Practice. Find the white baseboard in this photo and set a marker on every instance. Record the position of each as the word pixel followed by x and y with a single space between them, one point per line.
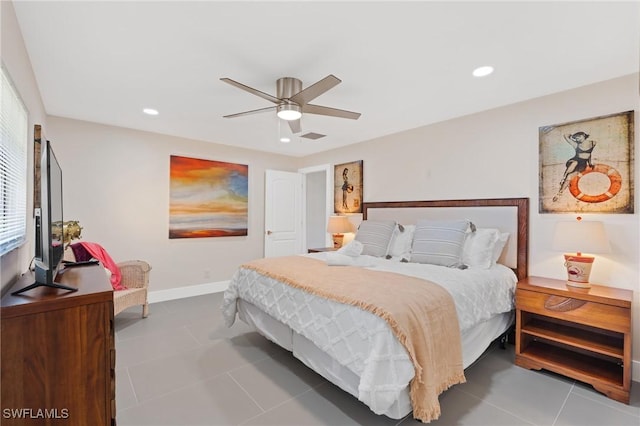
pixel 190 291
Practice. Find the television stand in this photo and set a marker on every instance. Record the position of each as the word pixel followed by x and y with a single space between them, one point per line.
pixel 37 284
pixel 58 353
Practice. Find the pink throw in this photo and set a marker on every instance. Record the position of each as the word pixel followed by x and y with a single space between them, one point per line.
pixel 98 252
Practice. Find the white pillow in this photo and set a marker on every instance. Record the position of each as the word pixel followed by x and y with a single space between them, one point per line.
pixel 353 249
pixel 478 249
pixel 400 246
pixel 375 236
pixel 499 246
pixel 439 242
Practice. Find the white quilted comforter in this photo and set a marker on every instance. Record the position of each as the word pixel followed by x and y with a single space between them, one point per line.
pixel 360 340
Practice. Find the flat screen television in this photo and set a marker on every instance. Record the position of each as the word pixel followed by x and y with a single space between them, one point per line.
pixel 49 222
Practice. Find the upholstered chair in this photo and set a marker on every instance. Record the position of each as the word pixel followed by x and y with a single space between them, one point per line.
pixel 135 277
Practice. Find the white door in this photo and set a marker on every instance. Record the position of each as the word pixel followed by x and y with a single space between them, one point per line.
pixel 283 213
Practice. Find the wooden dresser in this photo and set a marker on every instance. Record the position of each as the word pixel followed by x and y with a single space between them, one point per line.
pixel 58 352
pixel 580 333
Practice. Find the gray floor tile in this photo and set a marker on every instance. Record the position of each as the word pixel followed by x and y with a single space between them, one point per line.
pixel 498 381
pixel 130 325
pixel 459 408
pixel 633 408
pixel 153 346
pixel 320 406
pixel 125 396
pixel 208 331
pixel 192 309
pixel 272 381
pixel 352 408
pixel 217 401
pixel 207 303
pixel 587 412
pixel 162 375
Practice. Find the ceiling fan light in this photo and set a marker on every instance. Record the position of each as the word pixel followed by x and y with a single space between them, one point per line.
pixel 289 112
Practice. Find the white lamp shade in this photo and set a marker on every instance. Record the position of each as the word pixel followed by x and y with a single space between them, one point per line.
pixel 580 236
pixel 339 225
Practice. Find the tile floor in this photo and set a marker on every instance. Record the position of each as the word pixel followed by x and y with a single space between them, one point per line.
pixel 182 366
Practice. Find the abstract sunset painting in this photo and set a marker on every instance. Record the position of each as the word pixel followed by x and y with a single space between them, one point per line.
pixel 207 198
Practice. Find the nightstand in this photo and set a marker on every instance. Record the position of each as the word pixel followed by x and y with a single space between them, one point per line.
pixel 321 249
pixel 580 333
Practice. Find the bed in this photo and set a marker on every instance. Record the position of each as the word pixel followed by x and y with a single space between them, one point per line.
pixel 361 350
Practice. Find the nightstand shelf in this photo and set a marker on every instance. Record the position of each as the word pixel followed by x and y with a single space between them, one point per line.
pixel 583 339
pixel 575 365
pixel 584 334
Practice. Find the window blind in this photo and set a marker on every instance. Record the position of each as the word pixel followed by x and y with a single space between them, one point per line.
pixel 13 166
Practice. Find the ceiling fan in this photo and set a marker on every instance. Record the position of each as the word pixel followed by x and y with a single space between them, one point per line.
pixel 291 101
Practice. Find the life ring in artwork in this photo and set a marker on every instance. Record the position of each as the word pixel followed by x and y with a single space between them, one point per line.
pixel 615 183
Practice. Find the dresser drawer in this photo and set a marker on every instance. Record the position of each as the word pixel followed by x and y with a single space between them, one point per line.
pixel 576 310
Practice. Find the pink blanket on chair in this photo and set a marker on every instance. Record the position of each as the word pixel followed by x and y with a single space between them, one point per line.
pixel 98 252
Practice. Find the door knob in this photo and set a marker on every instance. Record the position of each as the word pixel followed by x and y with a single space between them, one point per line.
pixel 269 232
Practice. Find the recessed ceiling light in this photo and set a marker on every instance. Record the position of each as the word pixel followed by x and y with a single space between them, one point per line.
pixel 285 139
pixel 150 111
pixel 482 71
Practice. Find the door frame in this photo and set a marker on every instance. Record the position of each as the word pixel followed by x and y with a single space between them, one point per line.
pixel 328 169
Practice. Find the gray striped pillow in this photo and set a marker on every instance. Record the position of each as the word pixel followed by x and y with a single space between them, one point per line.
pixel 439 242
pixel 375 236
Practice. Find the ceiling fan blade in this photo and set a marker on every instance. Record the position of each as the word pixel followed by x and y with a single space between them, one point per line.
pixel 252 90
pixel 255 111
pixel 332 112
pixel 294 125
pixel 315 90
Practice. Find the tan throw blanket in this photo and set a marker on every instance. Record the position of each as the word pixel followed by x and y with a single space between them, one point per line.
pixel 421 315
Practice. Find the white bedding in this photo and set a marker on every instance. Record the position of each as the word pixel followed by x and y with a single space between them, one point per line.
pixel 360 341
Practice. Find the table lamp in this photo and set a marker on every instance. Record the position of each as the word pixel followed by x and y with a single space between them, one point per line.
pixel 337 226
pixel 576 237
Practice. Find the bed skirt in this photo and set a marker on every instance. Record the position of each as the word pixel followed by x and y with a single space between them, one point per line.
pixel 474 342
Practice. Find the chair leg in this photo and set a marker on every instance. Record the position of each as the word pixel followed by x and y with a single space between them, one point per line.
pixel 145 310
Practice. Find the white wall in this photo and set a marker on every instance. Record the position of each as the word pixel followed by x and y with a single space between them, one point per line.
pixel 116 183
pixel 17 63
pixel 494 154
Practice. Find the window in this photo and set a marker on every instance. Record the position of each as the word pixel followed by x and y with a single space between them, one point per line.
pixel 13 166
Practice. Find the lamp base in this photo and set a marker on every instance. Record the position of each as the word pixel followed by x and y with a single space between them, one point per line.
pixel 578 270
pixel 337 240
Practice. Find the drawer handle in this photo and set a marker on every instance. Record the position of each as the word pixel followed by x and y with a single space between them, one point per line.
pixel 562 304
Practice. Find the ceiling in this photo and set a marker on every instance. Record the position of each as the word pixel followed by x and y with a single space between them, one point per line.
pixel 402 64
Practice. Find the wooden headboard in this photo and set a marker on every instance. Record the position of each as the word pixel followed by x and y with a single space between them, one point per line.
pixel 519 205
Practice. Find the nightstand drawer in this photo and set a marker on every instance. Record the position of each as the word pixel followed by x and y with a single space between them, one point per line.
pixel 613 318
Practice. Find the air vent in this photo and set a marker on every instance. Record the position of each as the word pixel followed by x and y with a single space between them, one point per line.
pixel 313 136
